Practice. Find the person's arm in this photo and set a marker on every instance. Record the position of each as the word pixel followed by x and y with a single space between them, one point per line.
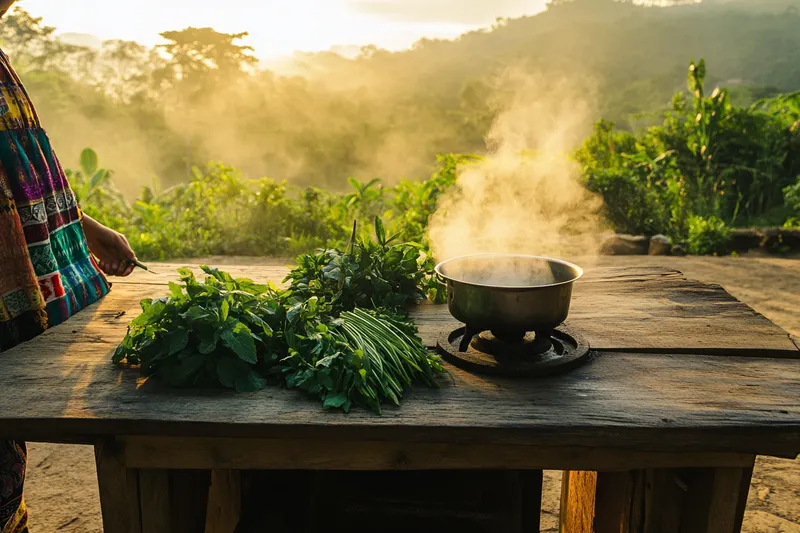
pixel 111 248
pixel 5 5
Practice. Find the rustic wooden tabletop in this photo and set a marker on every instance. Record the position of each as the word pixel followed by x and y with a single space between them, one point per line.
pixel 680 366
pixel 658 432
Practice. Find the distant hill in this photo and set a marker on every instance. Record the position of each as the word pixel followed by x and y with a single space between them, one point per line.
pixel 377 113
pixel 638 54
pixel 81 39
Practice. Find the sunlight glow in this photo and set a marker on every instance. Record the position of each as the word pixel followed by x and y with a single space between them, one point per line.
pixel 277 28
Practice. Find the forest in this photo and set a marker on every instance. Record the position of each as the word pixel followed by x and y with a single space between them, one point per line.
pixel 212 154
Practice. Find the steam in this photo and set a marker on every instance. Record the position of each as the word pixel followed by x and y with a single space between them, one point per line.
pixel 525 196
pixel 120 141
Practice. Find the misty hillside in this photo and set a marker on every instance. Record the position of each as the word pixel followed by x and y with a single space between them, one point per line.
pixel 384 114
pixel 637 55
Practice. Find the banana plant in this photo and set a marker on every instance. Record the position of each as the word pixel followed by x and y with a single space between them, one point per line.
pixel 90 182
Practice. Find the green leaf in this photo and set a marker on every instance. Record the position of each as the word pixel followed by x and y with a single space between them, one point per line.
pixel 216 273
pixel 119 354
pixel 326 361
pixel 239 339
pixel 325 380
pixel 380 232
pixel 208 342
pixel 229 369
pixel 98 177
pixel 294 312
pixel 176 290
pixel 260 322
pixel 181 372
pixel 151 314
pixel 196 314
pixel 186 275
pixel 251 382
pixel 88 162
pixel 224 309
pixel 176 340
pixel 335 400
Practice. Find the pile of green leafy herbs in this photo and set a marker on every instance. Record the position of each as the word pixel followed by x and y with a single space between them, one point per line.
pixel 339 331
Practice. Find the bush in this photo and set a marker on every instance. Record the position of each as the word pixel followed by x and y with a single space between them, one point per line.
pixel 707 236
pixel 219 212
pixel 707 159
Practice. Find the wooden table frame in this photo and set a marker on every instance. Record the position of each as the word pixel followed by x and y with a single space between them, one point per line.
pixel 193 485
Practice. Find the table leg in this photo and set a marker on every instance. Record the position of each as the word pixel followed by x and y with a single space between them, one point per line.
pixel 224 501
pixel 174 501
pixel 690 500
pixel 716 500
pixel 154 500
pixel 119 490
pixel 147 500
pixel 530 500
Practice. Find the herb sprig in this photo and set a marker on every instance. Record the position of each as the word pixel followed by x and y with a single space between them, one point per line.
pixel 340 331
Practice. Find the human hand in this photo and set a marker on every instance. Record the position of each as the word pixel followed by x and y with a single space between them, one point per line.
pixel 114 255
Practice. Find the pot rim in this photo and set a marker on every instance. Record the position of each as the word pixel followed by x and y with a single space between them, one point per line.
pixel 576 268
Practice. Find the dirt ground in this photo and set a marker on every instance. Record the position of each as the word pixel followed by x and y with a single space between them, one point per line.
pixel 62 488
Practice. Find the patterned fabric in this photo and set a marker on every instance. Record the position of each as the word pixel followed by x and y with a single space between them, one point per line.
pixel 13 516
pixel 46 271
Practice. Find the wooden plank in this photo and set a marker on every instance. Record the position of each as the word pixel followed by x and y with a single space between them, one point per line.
pixel 715 501
pixel 614 502
pixel 696 500
pixel 662 315
pixel 663 502
pixel 660 308
pixel 287 454
pixel 601 502
pixel 744 492
pixel 189 491
pixel 174 501
pixel 155 501
pixel 224 501
pixel 658 402
pixel 62 386
pixel 119 490
pixel 577 501
pixel 529 506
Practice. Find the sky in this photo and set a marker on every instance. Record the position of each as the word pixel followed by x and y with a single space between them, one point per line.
pixel 278 28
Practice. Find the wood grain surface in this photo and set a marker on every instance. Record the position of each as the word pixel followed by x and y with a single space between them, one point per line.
pixel 681 367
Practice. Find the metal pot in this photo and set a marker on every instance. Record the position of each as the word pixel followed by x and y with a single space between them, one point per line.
pixel 509 294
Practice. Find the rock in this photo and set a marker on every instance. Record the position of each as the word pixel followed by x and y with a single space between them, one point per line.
pixel 744 240
pixel 763 493
pixel 621 244
pixel 678 250
pixel 781 240
pixel 660 245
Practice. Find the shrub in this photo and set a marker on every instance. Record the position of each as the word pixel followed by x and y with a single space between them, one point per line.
pixel 707 236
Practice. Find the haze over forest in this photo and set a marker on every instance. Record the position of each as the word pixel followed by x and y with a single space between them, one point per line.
pixel 204 96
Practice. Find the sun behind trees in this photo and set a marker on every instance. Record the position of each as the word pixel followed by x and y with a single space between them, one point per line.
pixel 381 114
pixel 153 114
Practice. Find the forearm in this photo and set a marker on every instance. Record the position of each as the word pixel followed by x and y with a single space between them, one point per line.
pixel 90 226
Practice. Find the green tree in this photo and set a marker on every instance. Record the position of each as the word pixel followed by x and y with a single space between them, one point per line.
pixel 202 55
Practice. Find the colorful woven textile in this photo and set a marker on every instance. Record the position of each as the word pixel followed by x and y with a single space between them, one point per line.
pixel 46 271
pixel 13 516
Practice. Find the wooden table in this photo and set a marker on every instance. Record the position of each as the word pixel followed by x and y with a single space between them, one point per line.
pixel 657 434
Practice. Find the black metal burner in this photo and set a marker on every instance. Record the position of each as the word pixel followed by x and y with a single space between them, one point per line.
pixel 514 353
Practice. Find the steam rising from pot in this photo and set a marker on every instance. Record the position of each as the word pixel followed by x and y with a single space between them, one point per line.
pixel 525 197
